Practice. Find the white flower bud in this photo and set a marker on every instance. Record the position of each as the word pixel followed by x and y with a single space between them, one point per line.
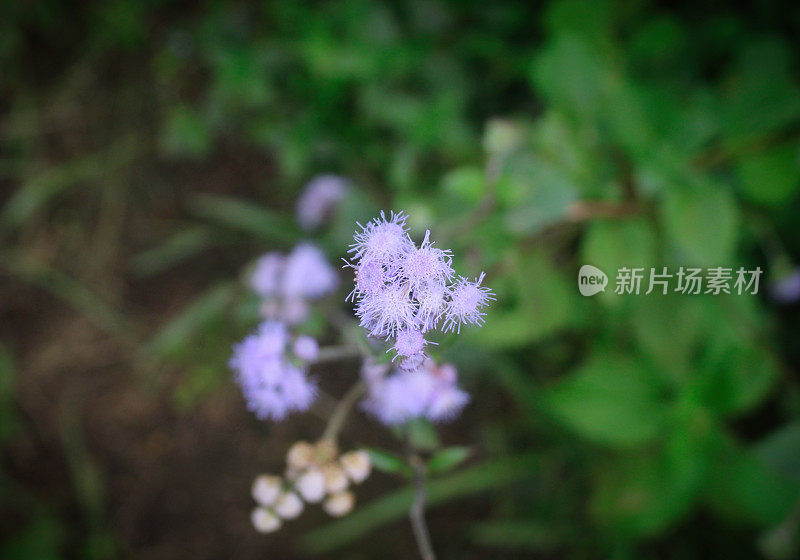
pixel 327 451
pixel 300 455
pixel 264 520
pixel 357 465
pixel 339 504
pixel 311 486
pixel 289 505
pixel 335 478
pixel 266 489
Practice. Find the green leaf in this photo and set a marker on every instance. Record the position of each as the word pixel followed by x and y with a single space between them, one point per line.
pixel 466 184
pixel 611 399
pixel 590 20
pixel 629 118
pixel 447 459
pixel 781 450
pixel 422 435
pixel 181 245
pixel 668 329
pixel 558 140
pixel 569 72
pixel 534 309
pixel 544 193
pixel 744 488
pixel 771 177
pixel 518 534
pixel 701 221
pixel 612 244
pixel 645 494
pixel 761 97
pixel 388 462
pixel 733 376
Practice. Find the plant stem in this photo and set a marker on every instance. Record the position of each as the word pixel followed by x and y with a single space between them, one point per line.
pixel 334 353
pixel 417 511
pixel 341 411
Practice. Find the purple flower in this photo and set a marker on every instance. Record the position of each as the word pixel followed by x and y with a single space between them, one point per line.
pixel 427 266
pixel 403 291
pixel 292 310
pixel 306 348
pixel 431 300
pixel 409 342
pixel 383 240
pixel 467 299
pixel 387 311
pixel 307 274
pixel 272 385
pixel 370 278
pixel 320 199
pixel 303 274
pixel 265 279
pixel 430 392
pixel 787 290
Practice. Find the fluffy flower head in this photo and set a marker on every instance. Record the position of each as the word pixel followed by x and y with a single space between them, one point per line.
pixel 382 239
pixel 403 291
pixel 467 299
pixel 272 385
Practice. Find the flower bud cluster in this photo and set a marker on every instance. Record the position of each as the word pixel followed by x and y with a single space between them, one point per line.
pixel 314 473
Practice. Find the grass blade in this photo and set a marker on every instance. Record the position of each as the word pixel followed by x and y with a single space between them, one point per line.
pixel 245 216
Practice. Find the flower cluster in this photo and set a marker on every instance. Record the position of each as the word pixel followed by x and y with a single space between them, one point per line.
pixel 320 199
pixel 403 291
pixel 286 283
pixel 271 368
pixel 314 473
pixel 430 392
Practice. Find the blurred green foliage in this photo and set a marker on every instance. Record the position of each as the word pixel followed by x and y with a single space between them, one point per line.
pixel 531 139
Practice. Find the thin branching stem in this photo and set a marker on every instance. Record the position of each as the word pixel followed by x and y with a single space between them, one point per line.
pixel 417 511
pixel 341 411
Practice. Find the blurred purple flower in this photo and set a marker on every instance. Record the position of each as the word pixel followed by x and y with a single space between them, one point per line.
pixel 787 290
pixel 265 279
pixel 303 274
pixel 272 385
pixel 307 273
pixel 319 200
pixel 306 348
pixel 430 392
